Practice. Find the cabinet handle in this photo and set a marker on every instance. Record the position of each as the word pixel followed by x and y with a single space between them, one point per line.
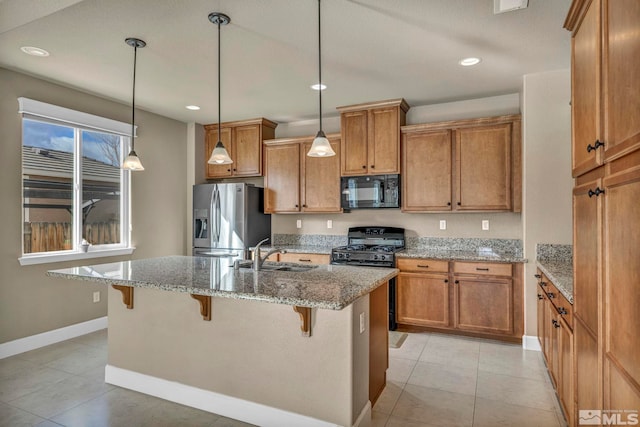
pixel 537 276
pixel 543 283
pixel 598 191
pixel 551 295
pixel 422 266
pixel 304 260
pixel 556 324
pixel 481 269
pixel 562 310
pixel 540 296
pixel 456 282
pixel 595 146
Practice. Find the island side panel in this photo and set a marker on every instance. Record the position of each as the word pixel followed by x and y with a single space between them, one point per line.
pixel 250 350
pixel 379 341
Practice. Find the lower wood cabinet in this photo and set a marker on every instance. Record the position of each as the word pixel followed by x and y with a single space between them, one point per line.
pixel 556 335
pixel 471 298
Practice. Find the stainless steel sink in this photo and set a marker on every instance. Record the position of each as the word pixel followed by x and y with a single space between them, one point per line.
pixel 279 266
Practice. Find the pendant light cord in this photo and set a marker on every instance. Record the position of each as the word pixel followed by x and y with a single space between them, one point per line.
pixel 219 85
pixel 133 107
pixel 319 67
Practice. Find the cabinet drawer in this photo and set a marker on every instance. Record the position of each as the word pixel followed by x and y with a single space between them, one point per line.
pixel 304 258
pixel 482 268
pixel 422 265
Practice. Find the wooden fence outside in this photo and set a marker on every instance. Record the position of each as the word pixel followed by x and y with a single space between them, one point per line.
pixel 56 236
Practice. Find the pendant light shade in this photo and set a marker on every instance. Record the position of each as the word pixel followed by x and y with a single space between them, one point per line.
pixel 219 155
pixel 132 162
pixel 321 146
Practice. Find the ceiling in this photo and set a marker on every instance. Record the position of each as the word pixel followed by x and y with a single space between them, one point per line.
pixel 372 50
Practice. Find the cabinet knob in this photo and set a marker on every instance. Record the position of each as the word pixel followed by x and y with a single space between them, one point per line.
pixel 448 203
pixel 562 310
pixel 595 146
pixel 459 203
pixel 598 191
pixel 543 283
pixel 446 280
pixel 456 282
pixel 537 276
pixel 297 206
pixel 540 296
pixel 234 169
pixel 551 295
pixel 228 170
pixel 364 166
pixel 373 166
pixel 556 324
pixel 304 206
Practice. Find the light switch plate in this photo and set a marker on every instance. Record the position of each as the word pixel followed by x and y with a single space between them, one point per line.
pixel 362 322
pixel 298 223
pixel 96 296
pixel 329 223
pixel 485 224
pixel 443 224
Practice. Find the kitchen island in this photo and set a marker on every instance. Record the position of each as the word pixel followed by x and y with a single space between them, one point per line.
pixel 295 346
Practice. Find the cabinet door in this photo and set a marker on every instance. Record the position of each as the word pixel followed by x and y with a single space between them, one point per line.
pixel 622 91
pixel 384 141
pixel 484 305
pixel 423 299
pixel 585 103
pixel 587 375
pixel 320 181
pixel 426 171
pixel 247 151
pixel 541 317
pixel 622 286
pixel 586 246
pixel 565 378
pixel 282 178
pixel 213 170
pixel 483 168
pixel 354 143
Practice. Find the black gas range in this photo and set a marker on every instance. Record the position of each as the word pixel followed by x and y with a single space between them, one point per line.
pixel 373 247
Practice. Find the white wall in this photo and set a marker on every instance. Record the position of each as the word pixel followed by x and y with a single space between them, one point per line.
pixel 547 171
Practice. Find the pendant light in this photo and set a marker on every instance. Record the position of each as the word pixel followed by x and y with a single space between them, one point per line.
pixel 132 162
pixel 321 146
pixel 219 155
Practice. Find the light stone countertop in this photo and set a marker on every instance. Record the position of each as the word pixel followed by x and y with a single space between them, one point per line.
pixel 325 286
pixel 560 272
pixel 300 249
pixel 462 255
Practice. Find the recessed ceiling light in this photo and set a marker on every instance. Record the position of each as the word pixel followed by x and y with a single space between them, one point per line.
pixel 192 107
pixel 467 62
pixel 34 51
pixel 318 87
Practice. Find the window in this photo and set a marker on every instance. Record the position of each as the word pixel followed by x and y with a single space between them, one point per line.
pixel 74 190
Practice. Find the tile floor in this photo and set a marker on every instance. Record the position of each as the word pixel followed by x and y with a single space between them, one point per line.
pixel 433 380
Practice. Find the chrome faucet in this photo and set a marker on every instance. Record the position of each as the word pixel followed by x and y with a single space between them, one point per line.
pixel 257 260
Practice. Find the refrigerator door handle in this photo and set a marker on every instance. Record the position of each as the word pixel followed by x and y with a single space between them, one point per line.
pixel 215 213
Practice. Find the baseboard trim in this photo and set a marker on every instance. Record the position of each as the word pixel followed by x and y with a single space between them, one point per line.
pixel 231 407
pixel 22 345
pixel 530 342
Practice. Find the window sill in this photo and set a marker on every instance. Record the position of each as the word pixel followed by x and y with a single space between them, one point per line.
pixel 61 257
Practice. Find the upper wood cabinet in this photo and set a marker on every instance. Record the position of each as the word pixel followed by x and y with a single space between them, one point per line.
pixel 464 165
pixel 243 141
pixel 295 182
pixel 370 137
pixel 605 93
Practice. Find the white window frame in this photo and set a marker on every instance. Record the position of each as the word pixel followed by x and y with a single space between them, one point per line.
pixel 43 112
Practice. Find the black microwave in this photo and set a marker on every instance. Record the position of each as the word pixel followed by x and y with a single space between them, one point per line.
pixel 370 192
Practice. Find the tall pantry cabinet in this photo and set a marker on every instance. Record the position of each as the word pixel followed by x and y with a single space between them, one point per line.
pixel 606 205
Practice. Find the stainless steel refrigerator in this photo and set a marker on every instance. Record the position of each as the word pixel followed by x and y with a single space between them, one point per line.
pixel 228 219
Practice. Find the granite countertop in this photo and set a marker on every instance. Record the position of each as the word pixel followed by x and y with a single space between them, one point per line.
pixel 325 286
pixel 462 255
pixel 560 272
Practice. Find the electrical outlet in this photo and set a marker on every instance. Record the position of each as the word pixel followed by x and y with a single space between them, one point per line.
pixel 443 224
pixel 298 223
pixel 362 322
pixel 485 224
pixel 96 296
pixel 329 223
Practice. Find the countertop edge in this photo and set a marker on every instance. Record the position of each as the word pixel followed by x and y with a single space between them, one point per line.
pixel 417 253
pixel 559 280
pixel 365 289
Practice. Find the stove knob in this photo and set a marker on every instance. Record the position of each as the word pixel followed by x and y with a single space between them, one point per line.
pixel 346 255
pixel 383 257
pixel 375 257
